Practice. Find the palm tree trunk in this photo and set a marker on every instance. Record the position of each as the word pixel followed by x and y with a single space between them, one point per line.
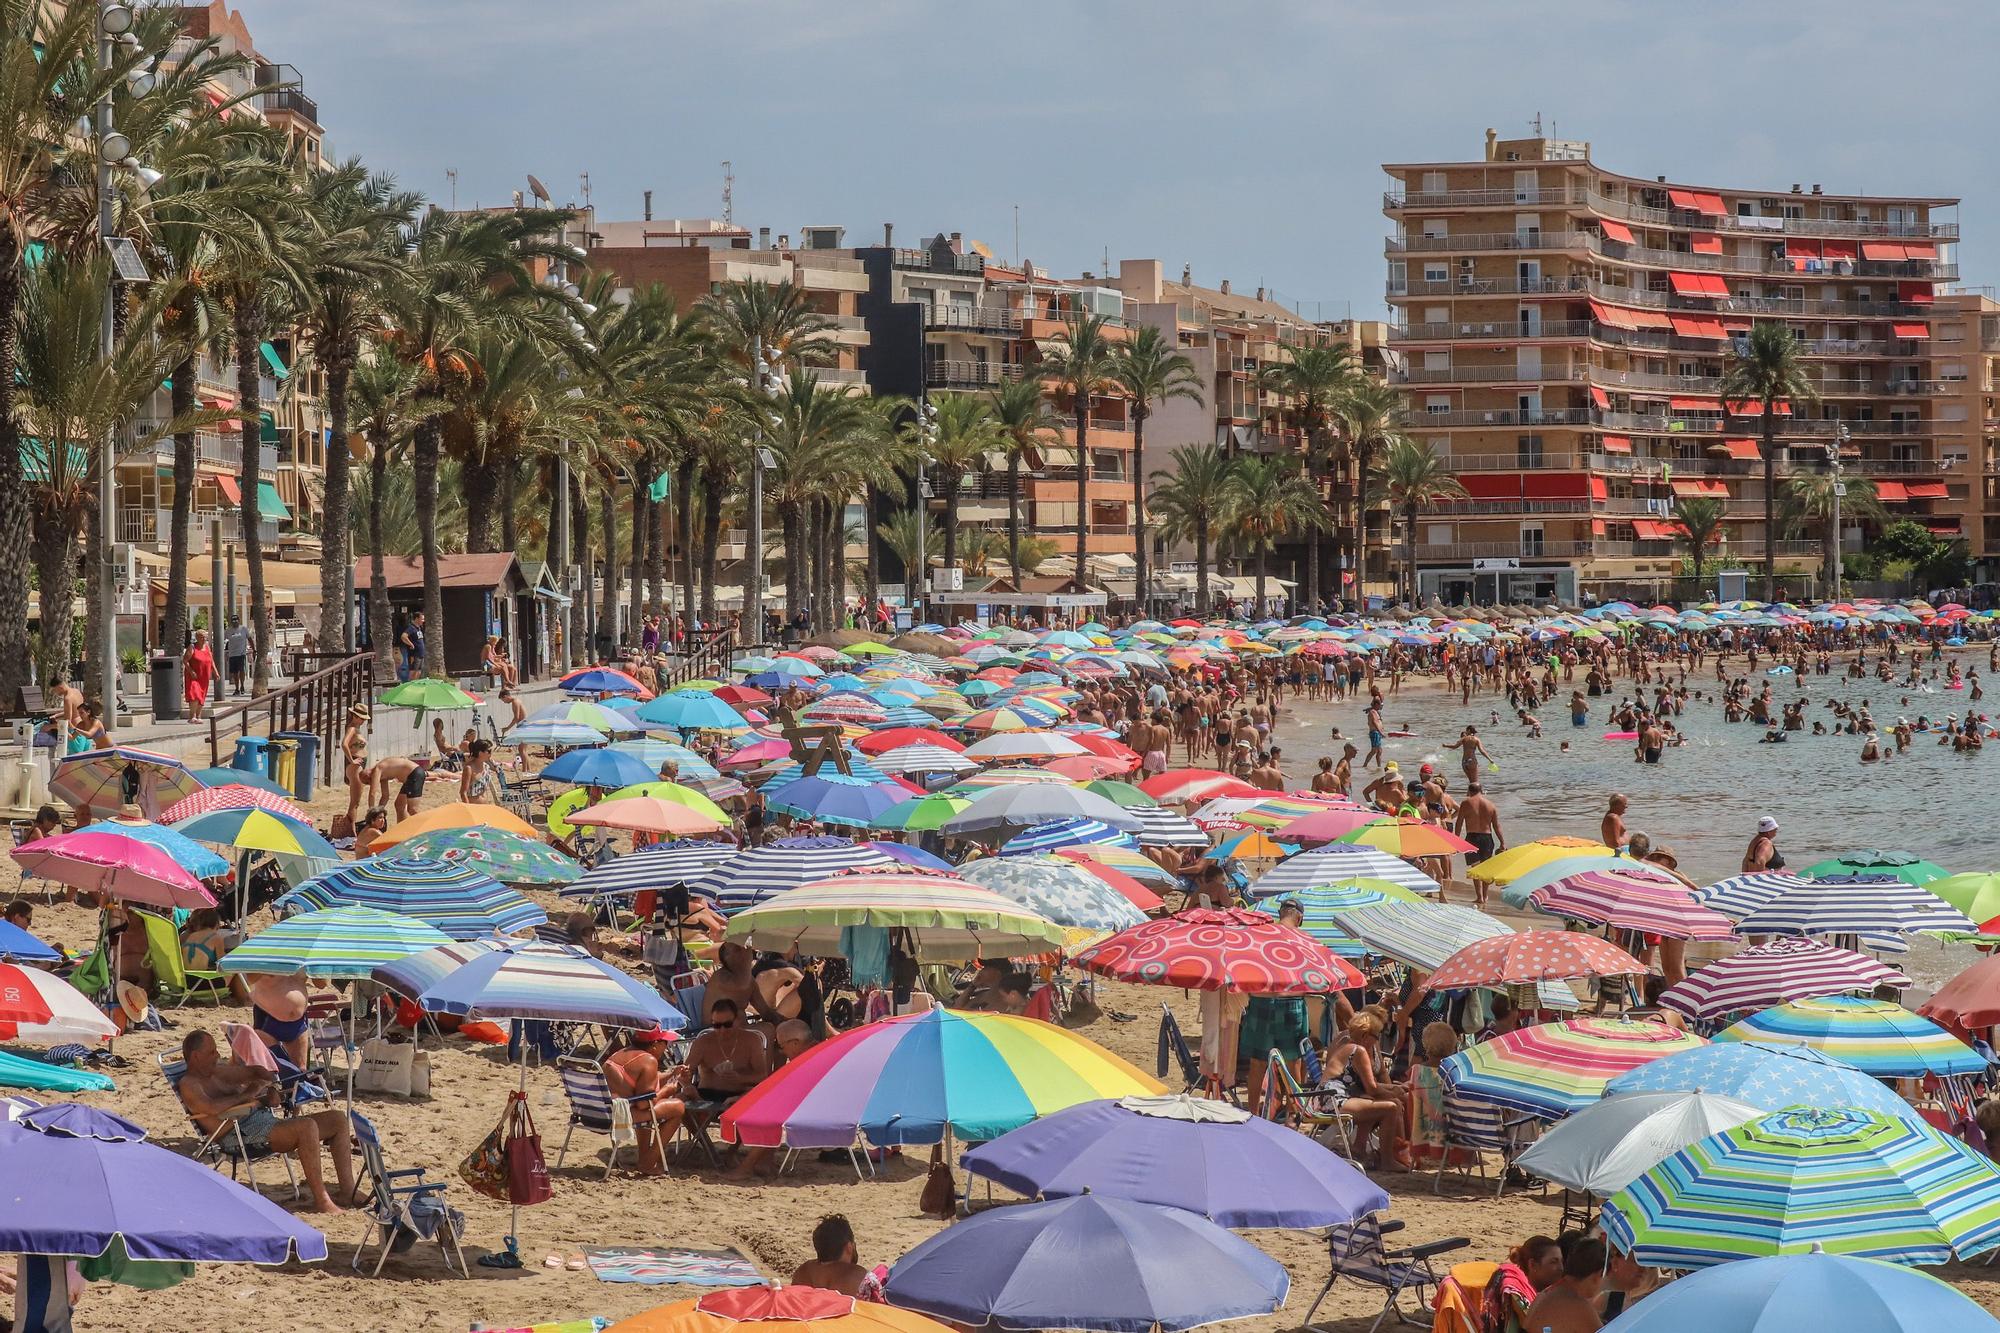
pixel 14 503
pixel 54 546
pixel 1082 486
pixel 424 472
pixel 1263 562
pixel 657 581
pixel 790 524
pixel 871 569
pixel 1312 588
pixel 579 545
pixel 1770 503
pixel 1410 553
pixel 336 548
pixel 1014 514
pixel 1201 567
pixel 1139 552
pixel 949 480
pixel 711 531
pixel 510 500
pixel 607 610
pixel 684 504
pixel 380 617
pixel 1361 452
pixel 642 533
pixel 479 480
pixel 94 607
pixel 249 332
pixel 174 623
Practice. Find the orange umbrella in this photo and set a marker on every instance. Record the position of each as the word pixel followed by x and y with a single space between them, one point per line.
pixel 459 814
pixel 646 814
pixel 777 1310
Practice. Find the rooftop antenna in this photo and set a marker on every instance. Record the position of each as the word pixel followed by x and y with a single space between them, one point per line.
pixel 728 193
pixel 1017 236
pixel 537 189
pixel 583 177
pixel 1536 125
pixel 451 174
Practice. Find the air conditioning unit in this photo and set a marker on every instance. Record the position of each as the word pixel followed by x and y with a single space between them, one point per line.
pixel 1465 262
pixel 1466 280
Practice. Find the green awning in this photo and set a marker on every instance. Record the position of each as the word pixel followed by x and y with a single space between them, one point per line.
pixel 271 360
pixel 268 503
pixel 35 461
pixel 267 428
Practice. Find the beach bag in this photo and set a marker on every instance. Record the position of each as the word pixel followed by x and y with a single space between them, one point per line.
pixel 527 1173
pixel 385 1066
pixel 940 1196
pixel 484 1169
pixel 420 1074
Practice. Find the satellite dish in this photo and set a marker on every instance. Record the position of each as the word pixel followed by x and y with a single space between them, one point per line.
pixel 536 188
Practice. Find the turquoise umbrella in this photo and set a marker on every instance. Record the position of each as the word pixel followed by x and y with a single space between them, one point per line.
pixel 348 942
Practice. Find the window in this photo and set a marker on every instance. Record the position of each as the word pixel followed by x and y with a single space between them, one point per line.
pixel 1437 404
pixel 1437 534
pixel 1744 209
pixel 1433 182
pixel 1524 185
pixel 1437 272
pixel 1437 314
pixel 1531 539
pixel 1528 450
pixel 1829 212
pixel 1437 360
pixel 1527 228
pixel 1399 275
pixel 1795 211
pixel 1434 227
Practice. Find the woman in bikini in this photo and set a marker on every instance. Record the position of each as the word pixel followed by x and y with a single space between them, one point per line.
pixel 479 784
pixel 354 750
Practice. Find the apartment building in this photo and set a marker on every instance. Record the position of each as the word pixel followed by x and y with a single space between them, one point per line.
pixel 1565 331
pixel 1965 364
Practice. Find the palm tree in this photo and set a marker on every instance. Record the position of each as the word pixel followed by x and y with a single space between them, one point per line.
pixel 1021 410
pixel 1371 419
pixel 1150 370
pixel 1192 499
pixel 1698 519
pixel 811 441
pixel 353 222
pixel 962 435
pixel 777 318
pixel 1266 499
pixel 1313 380
pixel 1081 362
pixel 1416 478
pixel 1029 553
pixel 385 405
pixel 899 532
pixel 1809 507
pixel 1768 370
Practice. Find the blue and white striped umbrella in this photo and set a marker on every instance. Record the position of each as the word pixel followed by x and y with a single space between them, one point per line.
pixel 653 752
pixel 752 876
pixel 1740 895
pixel 1067 833
pixel 922 758
pixel 902 715
pixel 455 897
pixel 792 769
pixel 1337 862
pixel 1164 828
pixel 552 733
pixel 346 942
pixel 660 866
pixel 483 980
pixel 1856 905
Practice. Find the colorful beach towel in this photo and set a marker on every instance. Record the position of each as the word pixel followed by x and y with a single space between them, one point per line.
pixel 658 1268
pixel 566 1326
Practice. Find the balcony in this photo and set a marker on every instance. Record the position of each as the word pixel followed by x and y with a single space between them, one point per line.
pixel 1789 429
pixel 939 261
pixel 1501 198
pixel 944 374
pixel 1909 270
pixel 1492 241
pixel 1578 284
pixel 1598 549
pixel 972 319
pixel 1492 375
pixel 153 528
pixel 1762 226
pixel 282 90
pixel 1499 331
pixel 1546 416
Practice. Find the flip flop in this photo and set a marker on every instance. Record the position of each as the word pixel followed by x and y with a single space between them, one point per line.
pixel 552 1261
pixel 576 1263
pixel 507 1258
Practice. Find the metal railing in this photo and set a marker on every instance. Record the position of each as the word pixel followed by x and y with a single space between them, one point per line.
pixel 1486 198
pixel 1763 226
pixel 1491 241
pixel 1498 330
pixel 1545 416
pixel 1915 270
pixel 973 318
pixel 933 261
pixel 317 703
pixel 1471 284
pixel 948 374
pixel 1547 374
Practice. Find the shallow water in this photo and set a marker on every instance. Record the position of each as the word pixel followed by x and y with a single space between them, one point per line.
pixel 1702 800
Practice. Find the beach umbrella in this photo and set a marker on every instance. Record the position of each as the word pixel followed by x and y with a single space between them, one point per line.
pixel 1201 1156
pixel 659 866
pixel 691 710
pixel 345 942
pixel 919 1077
pixel 1791 967
pixel 1515 894
pixel 427 695
pixel 922 814
pixel 677 792
pixel 647 814
pixel 1120 793
pixel 105 781
pixel 1855 905
pixel 834 798
pixel 1024 745
pixel 1408 838
pixel 1875 1036
pixel 237 777
pixel 1123 860
pixel 1969 1001
pixel 1322 902
pixel 763 1309
pixel 605 768
pixel 1089 1262
pixel 250 829
pixel 1059 833
pixel 1740 895
pixel 1765 1075
pixel 98 860
pixel 942 917
pixel 755 874
pixel 18 946
pixel 1330 825
pixel 1852 1181
pixel 457 814
pixel 1060 890
pixel 654 752
pixel 1976 894
pixel 1606 1146
pixel 507 857
pixel 456 896
pixel 998 814
pixel 1551 1070
pixel 1185 786
pixel 552 733
pixel 1528 956
pixel 1220 949
pixel 1526 856
pixel 1814 1290
pixel 1250 844
pixel 902 853
pixel 1335 863
pixel 1871 861
pixel 600 718
pixel 186 852
pixel 1630 901
pixel 920 757
pixel 601 680
pixel 488 979
pixel 883 741
pixel 234 796
pixel 41 1007
pixel 1160 827
pixel 1017 776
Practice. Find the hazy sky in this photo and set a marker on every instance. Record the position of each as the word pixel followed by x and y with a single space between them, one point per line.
pixel 1243 138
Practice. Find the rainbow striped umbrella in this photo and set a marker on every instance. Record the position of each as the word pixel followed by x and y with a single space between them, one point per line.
pixel 1790 967
pixel 248 828
pixel 975 783
pixel 1322 901
pixel 916 1079
pixel 456 897
pixel 946 918
pixel 1408 838
pixel 1517 890
pixel 1523 857
pixel 1011 717
pixel 483 979
pixel 1123 860
pixel 1835 1178
pixel 1557 1068
pixel 1874 1036
pixel 1335 863
pixel 1632 901
pixel 105 781
pixel 346 942
pixel 1275 812
pixel 922 814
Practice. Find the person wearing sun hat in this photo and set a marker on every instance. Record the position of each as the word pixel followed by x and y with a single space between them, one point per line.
pixel 640 1067
pixel 1762 854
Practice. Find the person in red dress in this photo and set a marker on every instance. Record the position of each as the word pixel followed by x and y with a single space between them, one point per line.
pixel 197 674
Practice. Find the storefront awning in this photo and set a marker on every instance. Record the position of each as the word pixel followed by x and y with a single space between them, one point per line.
pixel 1617 231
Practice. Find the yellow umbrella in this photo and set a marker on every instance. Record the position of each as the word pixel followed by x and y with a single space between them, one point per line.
pixel 458 814
pixel 1533 855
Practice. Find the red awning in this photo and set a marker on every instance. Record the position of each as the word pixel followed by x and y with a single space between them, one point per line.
pixel 1695 404
pixel 1910 330
pixel 1611 315
pixel 227 484
pixel 1736 326
pixel 1705 243
pixel 1926 490
pixel 1597 527
pixel 1697 284
pixel 1652 530
pixel 1599 489
pixel 1698 326
pixel 1743 450
pixel 1891 491
pixel 1491 485
pixel 1618 444
pixel 1943 527
pixel 1802 249
pixel 1651 319
pixel 1838 250
pixel 1920 250
pixel 1617 231
pixel 1554 485
pixel 1601 398
pixel 1755 408
pixel 1700 486
pixel 1915 293
pixel 1883 250
pixel 1697 201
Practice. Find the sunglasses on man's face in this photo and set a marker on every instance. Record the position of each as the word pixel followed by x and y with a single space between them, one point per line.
pixel 723 1023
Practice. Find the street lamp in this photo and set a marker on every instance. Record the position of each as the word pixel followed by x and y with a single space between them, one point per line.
pixel 768 365
pixel 927 434
pixel 1833 459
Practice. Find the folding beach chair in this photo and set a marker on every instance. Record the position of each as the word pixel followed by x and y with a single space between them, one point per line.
pixel 1358 1255
pixel 178 983
pixel 592 1105
pixel 226 1144
pixel 1311 1110
pixel 1478 1128
pixel 1173 1046
pixel 403 1207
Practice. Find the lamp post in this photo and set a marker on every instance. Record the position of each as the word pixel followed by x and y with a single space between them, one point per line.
pixel 769 384
pixel 1833 458
pixel 560 556
pixel 927 432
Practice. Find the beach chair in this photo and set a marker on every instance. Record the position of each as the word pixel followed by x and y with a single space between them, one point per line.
pixel 1478 1128
pixel 1173 1049
pixel 178 983
pixel 1357 1254
pixel 226 1144
pixel 403 1207
pixel 591 1104
pixel 1310 1110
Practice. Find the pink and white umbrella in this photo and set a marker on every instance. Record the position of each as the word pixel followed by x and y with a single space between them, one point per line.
pixel 99 860
pixel 1792 967
pixel 42 1007
pixel 1631 901
pixel 232 796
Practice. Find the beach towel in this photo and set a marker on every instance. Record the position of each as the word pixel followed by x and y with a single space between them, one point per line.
pixel 566 1326
pixel 667 1267
pixel 17 1071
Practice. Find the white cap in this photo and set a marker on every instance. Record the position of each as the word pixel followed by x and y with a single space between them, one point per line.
pixel 1766 824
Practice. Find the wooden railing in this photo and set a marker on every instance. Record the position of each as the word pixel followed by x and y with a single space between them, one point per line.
pixel 317 703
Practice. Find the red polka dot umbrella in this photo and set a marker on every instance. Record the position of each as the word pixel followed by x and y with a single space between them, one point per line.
pixel 1530 956
pixel 1221 950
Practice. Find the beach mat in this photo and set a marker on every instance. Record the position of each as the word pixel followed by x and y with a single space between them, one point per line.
pixel 19 1072
pixel 666 1267
pixel 566 1326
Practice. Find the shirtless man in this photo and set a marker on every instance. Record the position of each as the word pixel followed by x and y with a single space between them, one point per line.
pixel 1373 714
pixel 1611 831
pixel 403 775
pixel 734 978
pixel 643 1067
pixel 1265 775
pixel 1569 1304
pixel 1151 738
pixel 215 1090
pixel 278 1013
pixel 833 1266
pixel 1470 751
pixel 1388 792
pixel 1478 822
pixel 1343 772
pixel 727 1059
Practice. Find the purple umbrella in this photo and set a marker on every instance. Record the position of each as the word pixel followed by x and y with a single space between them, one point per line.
pixel 904 853
pixel 1206 1157
pixel 79 1179
pixel 834 798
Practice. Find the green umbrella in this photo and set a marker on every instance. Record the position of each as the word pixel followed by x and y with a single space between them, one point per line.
pixel 508 857
pixel 433 695
pixel 1121 794
pixel 339 942
pixel 1906 866
pixel 1976 893
pixel 921 814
